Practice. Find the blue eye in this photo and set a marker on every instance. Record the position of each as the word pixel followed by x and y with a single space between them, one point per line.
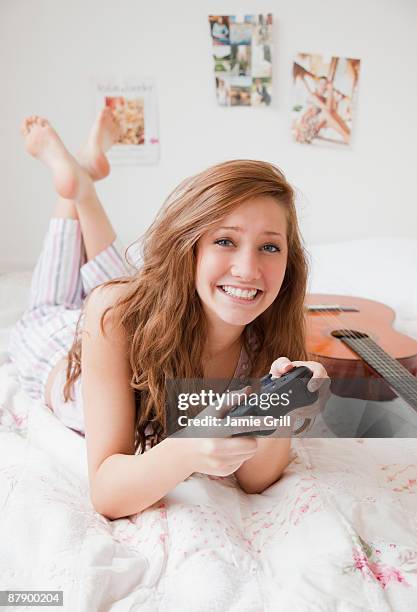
pixel 222 240
pixel 274 246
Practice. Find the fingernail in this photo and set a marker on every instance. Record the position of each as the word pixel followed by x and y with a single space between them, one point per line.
pixel 313 386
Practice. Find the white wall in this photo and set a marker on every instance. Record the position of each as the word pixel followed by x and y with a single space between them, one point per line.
pixel 50 49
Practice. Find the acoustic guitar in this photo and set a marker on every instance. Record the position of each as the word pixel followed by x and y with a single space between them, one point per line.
pixel 363 355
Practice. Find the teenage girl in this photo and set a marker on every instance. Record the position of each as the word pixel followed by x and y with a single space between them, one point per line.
pixel 219 294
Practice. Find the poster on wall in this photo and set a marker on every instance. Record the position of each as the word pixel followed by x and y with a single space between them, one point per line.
pixel 324 97
pixel 242 55
pixel 133 102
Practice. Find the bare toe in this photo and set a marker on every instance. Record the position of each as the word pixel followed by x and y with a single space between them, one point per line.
pixel 24 127
pixel 42 142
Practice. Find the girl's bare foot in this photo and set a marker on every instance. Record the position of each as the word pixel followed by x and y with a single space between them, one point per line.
pixel 70 179
pixel 103 135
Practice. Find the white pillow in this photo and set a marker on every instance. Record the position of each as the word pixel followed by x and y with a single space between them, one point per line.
pixel 381 269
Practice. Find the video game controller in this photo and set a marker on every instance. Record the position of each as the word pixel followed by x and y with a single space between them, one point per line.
pixel 294 383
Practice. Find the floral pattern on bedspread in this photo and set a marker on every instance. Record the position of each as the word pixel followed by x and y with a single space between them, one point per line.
pixel 403 478
pixel 337 533
pixel 13 404
pixel 367 559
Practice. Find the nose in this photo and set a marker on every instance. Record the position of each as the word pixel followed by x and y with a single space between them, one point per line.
pixel 246 266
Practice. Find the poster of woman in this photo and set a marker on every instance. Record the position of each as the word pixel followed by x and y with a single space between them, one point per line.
pixel 324 95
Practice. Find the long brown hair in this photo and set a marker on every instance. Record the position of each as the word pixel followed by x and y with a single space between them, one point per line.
pixel 160 310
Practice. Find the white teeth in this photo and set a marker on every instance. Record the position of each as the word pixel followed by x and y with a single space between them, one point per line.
pixel 247 294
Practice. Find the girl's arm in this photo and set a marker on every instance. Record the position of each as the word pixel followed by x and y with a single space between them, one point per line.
pixel 273 455
pixel 266 466
pixel 127 484
pixel 121 483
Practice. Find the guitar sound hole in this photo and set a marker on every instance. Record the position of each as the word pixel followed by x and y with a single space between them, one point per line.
pixel 348 333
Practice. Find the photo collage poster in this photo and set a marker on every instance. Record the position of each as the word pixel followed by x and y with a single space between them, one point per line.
pixel 134 104
pixel 242 54
pixel 324 96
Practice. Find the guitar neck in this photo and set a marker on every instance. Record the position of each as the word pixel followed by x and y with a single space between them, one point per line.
pixel 401 381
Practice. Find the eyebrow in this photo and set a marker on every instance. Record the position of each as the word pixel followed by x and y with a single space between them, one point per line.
pixel 239 229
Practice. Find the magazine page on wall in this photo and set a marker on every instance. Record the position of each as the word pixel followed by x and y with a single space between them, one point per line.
pixel 133 102
pixel 242 54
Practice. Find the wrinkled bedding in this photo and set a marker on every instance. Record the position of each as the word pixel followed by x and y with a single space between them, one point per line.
pixel 337 533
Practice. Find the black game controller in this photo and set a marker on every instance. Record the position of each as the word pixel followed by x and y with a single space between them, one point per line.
pixel 294 383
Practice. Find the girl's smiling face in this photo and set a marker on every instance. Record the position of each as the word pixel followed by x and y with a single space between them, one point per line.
pixel 246 251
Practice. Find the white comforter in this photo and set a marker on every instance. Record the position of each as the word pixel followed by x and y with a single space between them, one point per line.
pixel 337 533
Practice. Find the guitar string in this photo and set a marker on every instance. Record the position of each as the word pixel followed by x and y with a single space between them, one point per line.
pixel 397 372
pixel 372 350
pixel 403 387
pixel 369 351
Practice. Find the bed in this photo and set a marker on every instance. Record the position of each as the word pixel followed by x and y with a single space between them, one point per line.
pixel 337 533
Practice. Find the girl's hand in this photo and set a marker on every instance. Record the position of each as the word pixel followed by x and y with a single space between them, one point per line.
pixel 216 456
pixel 320 382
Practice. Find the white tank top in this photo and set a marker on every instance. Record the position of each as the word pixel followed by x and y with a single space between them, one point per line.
pixel 71 413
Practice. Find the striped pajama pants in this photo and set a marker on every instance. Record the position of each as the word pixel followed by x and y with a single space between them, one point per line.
pixel 61 280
